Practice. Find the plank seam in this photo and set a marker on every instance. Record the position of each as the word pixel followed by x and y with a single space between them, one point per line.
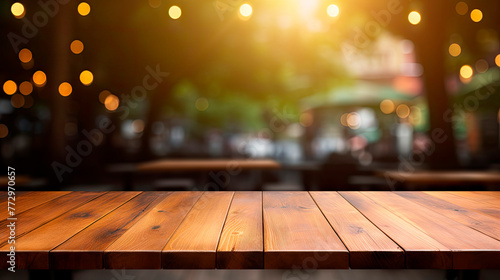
pixel 221 229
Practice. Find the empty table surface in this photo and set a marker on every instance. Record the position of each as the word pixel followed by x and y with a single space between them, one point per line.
pixel 230 230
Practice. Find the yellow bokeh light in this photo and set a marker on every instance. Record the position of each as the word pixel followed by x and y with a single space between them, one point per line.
pixel 25 55
pixel 86 77
pixel 103 95
pixel 333 10
pixel 175 12
pixel 18 10
pixel 25 88
pixel 497 60
pixel 403 111
pixel 9 87
pixel 76 47
pixel 112 102
pixel 39 78
pixel 4 131
pixel 466 72
pixel 462 8
pixel 65 89
pixel 455 50
pixel 201 104
pixel 387 106
pixel 414 17
pixel 306 119
pixel 476 15
pixel 83 8
pixel 17 101
pixel 246 10
pixel 353 120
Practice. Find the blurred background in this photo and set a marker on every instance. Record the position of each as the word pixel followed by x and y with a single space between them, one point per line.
pixel 334 95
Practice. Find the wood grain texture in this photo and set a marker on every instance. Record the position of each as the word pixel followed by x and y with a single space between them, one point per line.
pixel 206 164
pixel 368 246
pixel 469 203
pixel 194 243
pixel 297 235
pixel 241 242
pixel 42 214
pixel 421 251
pixel 27 200
pixel 85 250
pixel 140 247
pixel 32 250
pixel 471 249
pixel 475 220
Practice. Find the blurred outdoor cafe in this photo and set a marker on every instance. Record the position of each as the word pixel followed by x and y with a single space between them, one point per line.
pixel 251 95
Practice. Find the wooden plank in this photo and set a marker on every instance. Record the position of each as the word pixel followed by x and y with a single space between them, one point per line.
pixel 475 220
pixel 241 244
pixel 32 250
pixel 422 251
pixel 470 248
pixel 204 164
pixel 297 235
pixel 42 214
pixel 27 200
pixel 140 247
pixel 85 250
pixel 469 203
pixel 481 197
pixel 194 243
pixel 368 246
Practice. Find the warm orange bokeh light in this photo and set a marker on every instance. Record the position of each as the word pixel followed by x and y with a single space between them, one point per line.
pixel 76 47
pixel 455 50
pixel 9 87
pixel 65 89
pixel 83 8
pixel 25 88
pixel 476 15
pixel 403 111
pixel 497 60
pixel 462 8
pixel 103 95
pixel 175 12
pixel 39 78
pixel 86 77
pixel 466 72
pixel 25 55
pixel 112 102
pixel 17 101
pixel 4 130
pixel 18 10
pixel 333 10
pixel 387 106
pixel 414 17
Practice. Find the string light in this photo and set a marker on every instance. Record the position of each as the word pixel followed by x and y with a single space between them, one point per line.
pixel 86 77
pixel 18 10
pixel 455 50
pixel 466 72
pixel 387 106
pixel 83 9
pixel 25 55
pixel 175 12
pixel 25 88
pixel 76 47
pixel 112 102
pixel 414 17
pixel 9 87
pixel 39 78
pixel 65 89
pixel 476 15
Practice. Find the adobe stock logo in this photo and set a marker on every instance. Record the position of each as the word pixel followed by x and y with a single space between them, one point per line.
pixel 40 19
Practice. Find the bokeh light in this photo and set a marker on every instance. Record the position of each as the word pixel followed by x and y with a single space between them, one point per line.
pixel 403 111
pixel 246 10
pixel 4 130
pixel 175 12
pixel 455 50
pixel 476 15
pixel 138 126
pixel 482 66
pixel 17 101
pixel 112 102
pixel 462 8
pixel 497 60
pixel 306 119
pixel 353 120
pixel 387 106
pixel 414 17
pixel 86 77
pixel 39 78
pixel 103 95
pixel 333 10
pixel 83 8
pixel 343 119
pixel 65 89
pixel 466 72
pixel 18 10
pixel 10 87
pixel 25 55
pixel 25 88
pixel 76 47
pixel 154 3
pixel 28 102
pixel 201 104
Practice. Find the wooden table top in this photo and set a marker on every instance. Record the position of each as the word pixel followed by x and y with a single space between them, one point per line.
pixel 206 164
pixel 184 230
